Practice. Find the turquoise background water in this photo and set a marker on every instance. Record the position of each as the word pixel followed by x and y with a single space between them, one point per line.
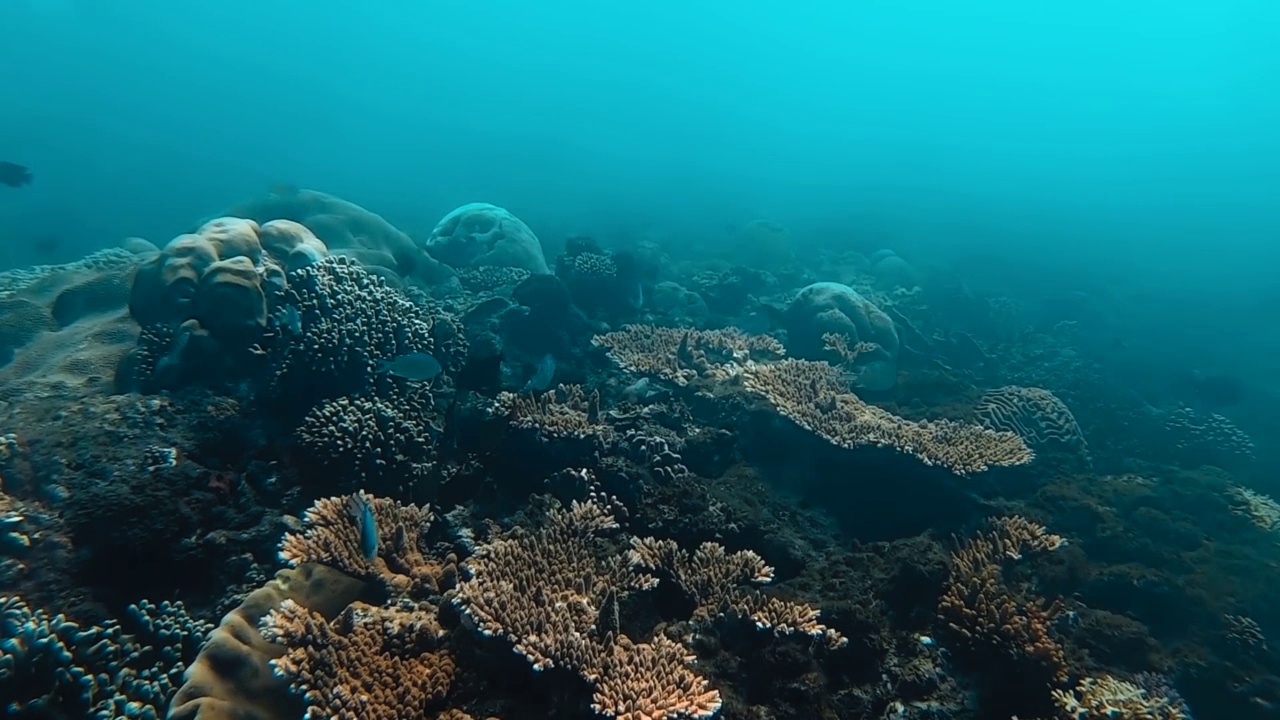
pixel 1126 149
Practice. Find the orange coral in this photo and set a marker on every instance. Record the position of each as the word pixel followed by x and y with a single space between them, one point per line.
pixel 986 618
pixel 370 663
pixel 331 537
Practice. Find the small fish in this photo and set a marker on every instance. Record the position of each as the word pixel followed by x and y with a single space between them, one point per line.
pixel 542 374
pixel 366 524
pixel 14 175
pixel 414 366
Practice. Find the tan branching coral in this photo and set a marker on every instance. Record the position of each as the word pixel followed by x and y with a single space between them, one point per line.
pixel 985 618
pixel 1106 697
pixel 651 681
pixel 839 345
pixel 1036 415
pixel 681 355
pixel 331 536
pixel 815 396
pixel 370 663
pixel 563 413
pixel 1260 508
pixel 715 579
pixel 551 592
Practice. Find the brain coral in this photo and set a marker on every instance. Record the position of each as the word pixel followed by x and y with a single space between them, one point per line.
pixel 828 308
pixel 479 234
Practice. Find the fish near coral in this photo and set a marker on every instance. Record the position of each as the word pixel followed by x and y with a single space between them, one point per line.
pixel 414 366
pixel 14 175
pixel 366 524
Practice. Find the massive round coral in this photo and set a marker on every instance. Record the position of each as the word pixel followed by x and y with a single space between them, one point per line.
pixel 825 311
pixel 478 234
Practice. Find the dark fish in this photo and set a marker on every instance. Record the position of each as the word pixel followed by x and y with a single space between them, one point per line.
pixel 414 366
pixel 14 175
pixel 542 374
pixel 366 524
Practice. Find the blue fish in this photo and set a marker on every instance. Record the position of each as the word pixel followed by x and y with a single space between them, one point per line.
pixel 414 366
pixel 366 524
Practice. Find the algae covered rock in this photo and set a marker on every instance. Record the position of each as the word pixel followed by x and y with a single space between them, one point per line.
pixel 480 234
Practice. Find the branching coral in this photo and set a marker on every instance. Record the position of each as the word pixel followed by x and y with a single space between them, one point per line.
pixel 1036 415
pixel 1106 697
pixel 384 444
pixel 715 579
pixel 548 591
pixel 681 355
pixel 350 321
pixel 50 664
pixel 985 619
pixel 815 396
pixel 331 536
pixel 565 412
pixel 370 663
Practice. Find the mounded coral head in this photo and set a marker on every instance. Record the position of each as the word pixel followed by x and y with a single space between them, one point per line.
pixel 828 308
pixel 482 234
pixel 292 243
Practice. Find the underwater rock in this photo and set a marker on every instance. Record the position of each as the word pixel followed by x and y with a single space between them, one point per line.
pixel 478 234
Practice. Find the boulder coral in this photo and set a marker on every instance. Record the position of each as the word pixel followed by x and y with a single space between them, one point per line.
pixel 479 234
pixel 343 227
pixel 826 309
pixel 222 276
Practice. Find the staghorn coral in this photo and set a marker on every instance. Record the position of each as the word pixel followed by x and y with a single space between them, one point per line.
pixel 381 443
pixel 349 322
pixel 563 413
pixel 681 355
pixel 1106 697
pixel 814 396
pixel 331 537
pixel 1036 415
pixel 1258 507
pixel 548 591
pixel 50 664
pixel 714 579
pixel 985 619
pixel 369 663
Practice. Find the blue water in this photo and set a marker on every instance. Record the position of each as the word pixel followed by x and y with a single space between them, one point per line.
pixel 1127 149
